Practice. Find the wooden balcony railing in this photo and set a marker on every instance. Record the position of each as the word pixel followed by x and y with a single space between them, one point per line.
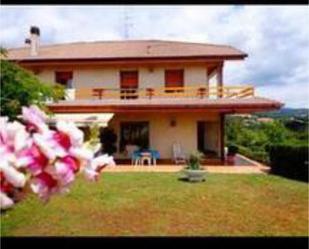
pixel 163 92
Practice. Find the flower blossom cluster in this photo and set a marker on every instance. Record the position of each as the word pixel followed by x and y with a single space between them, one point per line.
pixel 31 152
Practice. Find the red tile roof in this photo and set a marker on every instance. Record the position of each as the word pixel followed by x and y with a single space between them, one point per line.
pixel 129 49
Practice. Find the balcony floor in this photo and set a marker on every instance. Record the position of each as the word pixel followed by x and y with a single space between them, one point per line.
pixel 250 104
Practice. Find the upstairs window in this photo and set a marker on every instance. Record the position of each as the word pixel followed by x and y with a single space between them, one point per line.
pixel 129 84
pixel 64 78
pixel 174 78
pixel 129 79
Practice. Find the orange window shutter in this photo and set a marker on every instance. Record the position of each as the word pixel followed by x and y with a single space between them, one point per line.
pixel 129 79
pixel 174 78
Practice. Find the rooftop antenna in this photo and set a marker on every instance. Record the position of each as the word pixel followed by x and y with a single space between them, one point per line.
pixel 127 24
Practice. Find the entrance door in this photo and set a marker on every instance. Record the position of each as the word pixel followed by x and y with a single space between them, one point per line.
pixel 129 84
pixel 201 136
pixel 208 137
pixel 134 133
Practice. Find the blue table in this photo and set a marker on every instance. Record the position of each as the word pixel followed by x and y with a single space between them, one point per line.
pixel 154 155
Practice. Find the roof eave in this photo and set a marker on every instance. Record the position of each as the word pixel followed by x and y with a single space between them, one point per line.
pixel 213 57
pixel 224 108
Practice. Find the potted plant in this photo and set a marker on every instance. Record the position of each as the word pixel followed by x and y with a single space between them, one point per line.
pixel 193 171
pixel 232 151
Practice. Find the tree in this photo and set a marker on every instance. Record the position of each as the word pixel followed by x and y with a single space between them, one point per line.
pixel 275 132
pixel 20 87
pixel 3 52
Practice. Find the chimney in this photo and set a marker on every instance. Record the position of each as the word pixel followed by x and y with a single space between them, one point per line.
pixel 34 40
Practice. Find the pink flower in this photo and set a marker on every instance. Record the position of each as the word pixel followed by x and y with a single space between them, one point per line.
pixel 71 162
pixel 62 139
pixel 47 179
pixel 10 179
pixel 102 160
pixel 5 186
pixel 11 175
pixel 35 119
pixel 5 201
pixel 82 154
pixel 48 146
pixel 65 174
pixel 94 167
pixel 3 133
pixel 69 128
pixel 13 136
pixel 90 174
pixel 33 159
pixel 44 185
pixel 66 168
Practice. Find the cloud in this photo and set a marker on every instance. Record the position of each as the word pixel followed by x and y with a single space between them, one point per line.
pixel 275 37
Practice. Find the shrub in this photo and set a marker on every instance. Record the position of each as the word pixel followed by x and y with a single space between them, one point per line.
pixel 289 160
pixel 232 149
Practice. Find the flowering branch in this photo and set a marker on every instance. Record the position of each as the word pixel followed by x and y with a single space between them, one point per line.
pixel 46 159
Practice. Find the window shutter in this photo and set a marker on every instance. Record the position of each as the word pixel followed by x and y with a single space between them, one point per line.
pixel 174 78
pixel 129 79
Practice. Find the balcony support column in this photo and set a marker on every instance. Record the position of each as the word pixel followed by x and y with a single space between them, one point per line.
pixel 221 135
pixel 220 80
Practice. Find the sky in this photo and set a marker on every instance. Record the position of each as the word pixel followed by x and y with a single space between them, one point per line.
pixel 276 38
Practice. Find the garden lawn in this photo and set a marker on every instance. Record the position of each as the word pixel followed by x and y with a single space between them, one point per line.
pixel 160 204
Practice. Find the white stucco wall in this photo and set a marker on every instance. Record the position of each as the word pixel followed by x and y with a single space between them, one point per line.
pixel 163 135
pixel 109 76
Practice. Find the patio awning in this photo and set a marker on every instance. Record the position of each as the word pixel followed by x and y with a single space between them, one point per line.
pixel 83 119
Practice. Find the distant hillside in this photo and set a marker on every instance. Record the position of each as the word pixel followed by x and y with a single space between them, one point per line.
pixel 286 113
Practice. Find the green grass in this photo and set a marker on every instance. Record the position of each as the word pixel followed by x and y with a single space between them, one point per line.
pixel 159 204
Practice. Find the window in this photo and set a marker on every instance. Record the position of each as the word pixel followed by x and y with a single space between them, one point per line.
pixel 128 81
pixel 174 78
pixel 134 133
pixel 64 78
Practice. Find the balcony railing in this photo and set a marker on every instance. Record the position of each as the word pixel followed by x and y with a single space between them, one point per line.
pixel 163 92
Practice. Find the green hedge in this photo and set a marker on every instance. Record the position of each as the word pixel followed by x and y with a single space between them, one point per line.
pixel 289 160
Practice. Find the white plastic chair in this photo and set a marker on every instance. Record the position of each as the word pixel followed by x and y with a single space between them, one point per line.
pixel 129 150
pixel 178 154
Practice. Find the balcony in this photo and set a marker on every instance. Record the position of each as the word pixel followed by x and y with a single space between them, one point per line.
pixel 226 99
pixel 129 94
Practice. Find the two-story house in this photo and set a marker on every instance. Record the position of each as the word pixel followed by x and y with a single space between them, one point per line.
pixel 152 93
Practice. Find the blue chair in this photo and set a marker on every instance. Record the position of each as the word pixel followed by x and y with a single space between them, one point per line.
pixel 136 157
pixel 155 155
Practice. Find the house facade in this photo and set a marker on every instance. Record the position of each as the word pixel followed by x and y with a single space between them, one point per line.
pixel 151 93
